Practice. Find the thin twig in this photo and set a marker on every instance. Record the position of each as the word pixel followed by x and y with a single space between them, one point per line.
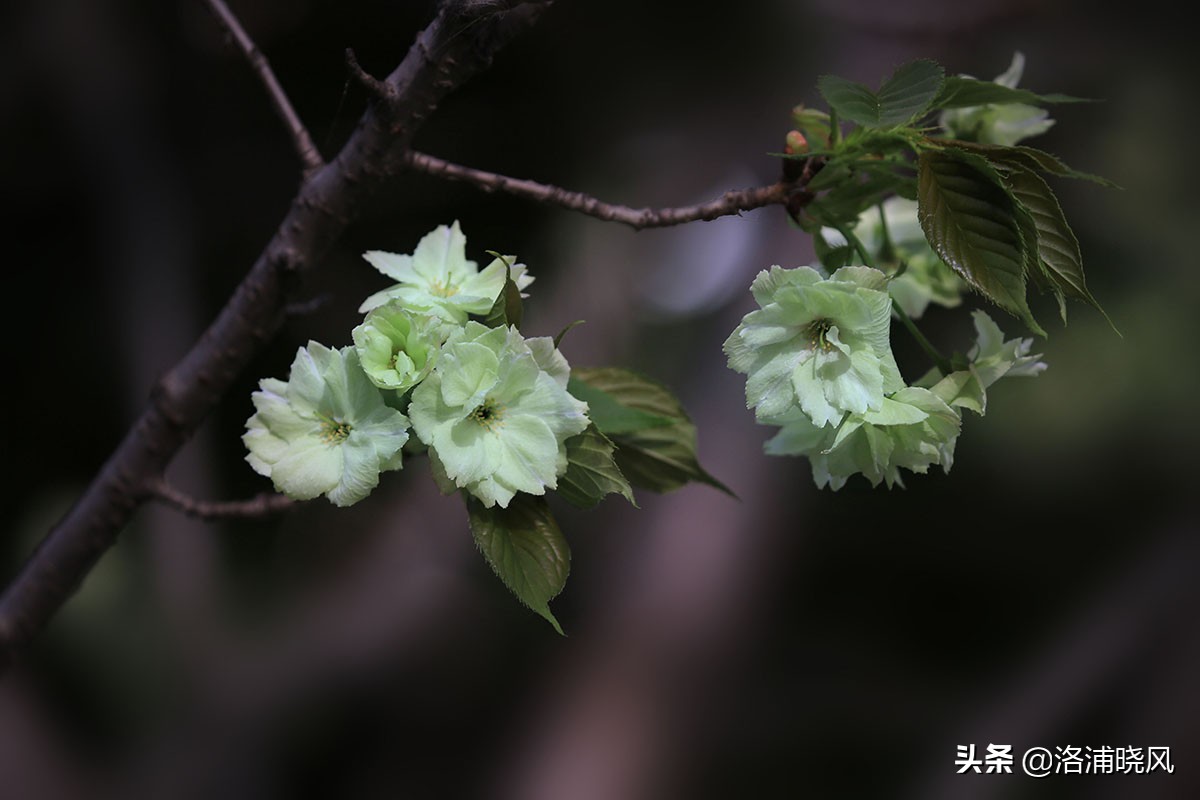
pixel 261 505
pixel 310 157
pixel 728 204
pixel 378 89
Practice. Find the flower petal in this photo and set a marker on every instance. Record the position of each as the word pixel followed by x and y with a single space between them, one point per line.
pixel 529 454
pixel 360 471
pixel 469 371
pixel 441 256
pixel 396 266
pixel 310 467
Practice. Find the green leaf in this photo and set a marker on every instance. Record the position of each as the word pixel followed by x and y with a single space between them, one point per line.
pixel 908 93
pixel 962 92
pixel 1025 223
pixel 849 99
pixel 1023 157
pixel 902 98
pixel 876 142
pixel 972 223
pixel 508 309
pixel 832 174
pixel 1058 249
pixel 660 458
pixel 592 472
pixel 608 413
pixel 524 547
pixel 842 168
pixel 558 339
pixel 1031 157
pixel 843 204
pixel 833 257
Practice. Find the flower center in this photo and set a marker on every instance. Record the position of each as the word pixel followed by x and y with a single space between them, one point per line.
pixel 448 290
pixel 818 333
pixel 334 432
pixel 489 414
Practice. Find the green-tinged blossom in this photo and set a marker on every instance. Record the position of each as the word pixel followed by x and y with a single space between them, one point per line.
pixel 396 348
pixel 914 429
pixel 990 359
pixel 437 278
pixel 496 412
pixel 998 123
pixel 326 430
pixel 818 343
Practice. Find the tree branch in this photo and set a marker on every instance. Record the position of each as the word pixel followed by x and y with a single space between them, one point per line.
pixel 310 157
pixel 728 204
pixel 261 505
pixel 459 43
pixel 378 89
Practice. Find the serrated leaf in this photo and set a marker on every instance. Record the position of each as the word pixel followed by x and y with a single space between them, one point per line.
pixel 525 548
pixel 902 98
pixel 1052 165
pixel 661 458
pixel 1030 158
pixel 908 93
pixel 1058 249
pixel 962 92
pixel 608 413
pixel 971 222
pixel 592 472
pixel 1028 227
pixel 849 99
pixel 508 308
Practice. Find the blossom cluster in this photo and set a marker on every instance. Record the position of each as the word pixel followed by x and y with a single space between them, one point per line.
pixel 816 351
pixel 491 406
pixel 819 366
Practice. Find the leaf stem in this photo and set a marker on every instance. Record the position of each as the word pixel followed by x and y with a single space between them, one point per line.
pixel 941 362
pixel 889 248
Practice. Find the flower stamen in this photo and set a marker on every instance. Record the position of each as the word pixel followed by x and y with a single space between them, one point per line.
pixel 489 414
pixel 334 432
pixel 818 332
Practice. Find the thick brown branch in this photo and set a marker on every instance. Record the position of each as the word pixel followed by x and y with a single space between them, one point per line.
pixel 728 204
pixel 454 47
pixel 310 157
pixel 262 505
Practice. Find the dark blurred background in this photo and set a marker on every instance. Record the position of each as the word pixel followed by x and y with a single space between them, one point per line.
pixel 795 643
